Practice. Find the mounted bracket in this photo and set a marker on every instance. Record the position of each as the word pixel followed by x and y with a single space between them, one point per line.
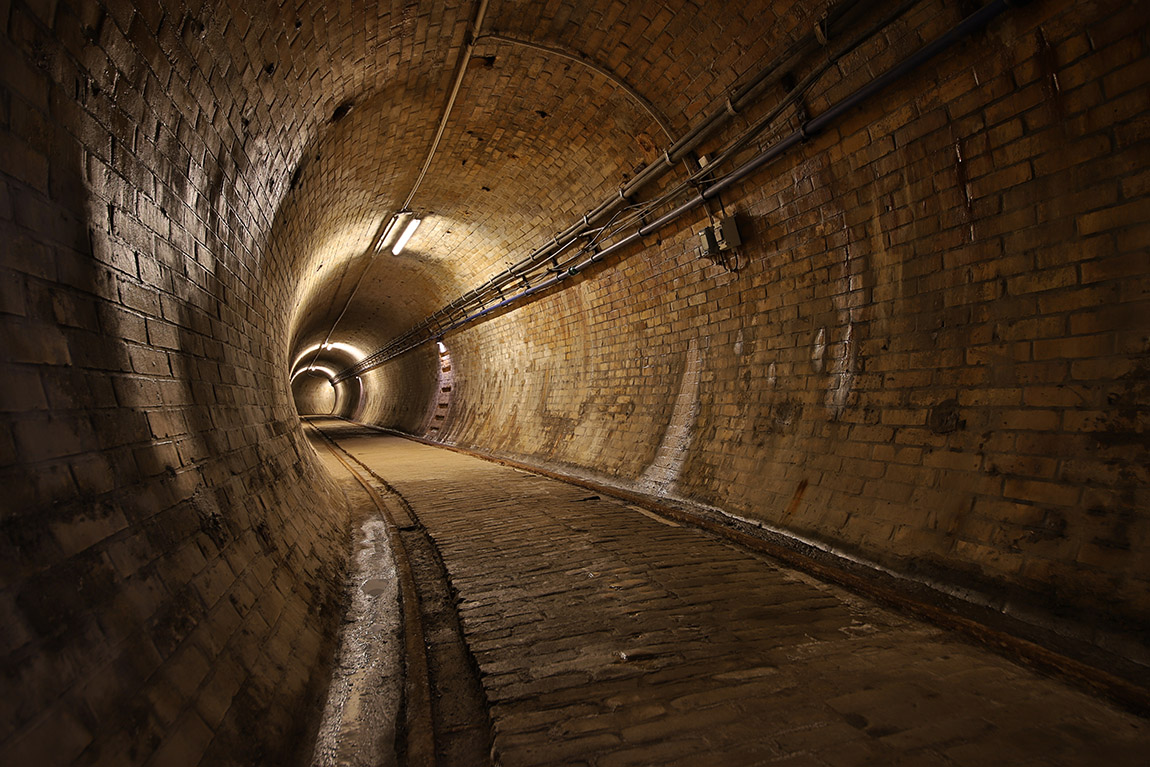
pixel 720 238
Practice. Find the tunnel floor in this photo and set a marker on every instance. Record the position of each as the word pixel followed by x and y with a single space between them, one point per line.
pixel 604 635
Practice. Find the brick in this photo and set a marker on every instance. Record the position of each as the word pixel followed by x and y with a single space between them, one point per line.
pixel 176 215
pixel 1114 218
pixel 56 738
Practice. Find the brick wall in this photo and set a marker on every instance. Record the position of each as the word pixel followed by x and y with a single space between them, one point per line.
pixel 935 354
pixel 313 395
pixel 397 395
pixel 171 556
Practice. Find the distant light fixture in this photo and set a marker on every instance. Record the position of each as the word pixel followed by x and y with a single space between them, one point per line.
pixel 326 372
pixel 412 225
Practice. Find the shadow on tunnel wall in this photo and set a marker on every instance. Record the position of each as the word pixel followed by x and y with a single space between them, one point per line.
pixel 170 556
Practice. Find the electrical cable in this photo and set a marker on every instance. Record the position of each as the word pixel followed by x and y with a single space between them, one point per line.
pixel 461 69
pixel 635 212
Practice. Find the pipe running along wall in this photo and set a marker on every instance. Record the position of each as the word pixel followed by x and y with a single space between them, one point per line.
pixel 807 131
pixel 917 364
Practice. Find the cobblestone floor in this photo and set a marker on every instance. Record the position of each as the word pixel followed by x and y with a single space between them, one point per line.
pixel 607 637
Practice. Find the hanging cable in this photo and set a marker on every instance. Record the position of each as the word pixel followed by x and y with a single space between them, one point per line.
pixel 389 227
pixel 806 130
pixel 580 58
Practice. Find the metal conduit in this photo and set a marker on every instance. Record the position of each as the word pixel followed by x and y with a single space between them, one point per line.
pixel 807 130
pixel 737 101
pixel 734 104
pixel 461 70
pixel 837 18
pixel 464 59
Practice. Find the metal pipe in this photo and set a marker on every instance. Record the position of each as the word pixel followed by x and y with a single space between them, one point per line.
pixel 375 247
pixel 468 49
pixel 738 99
pixel 809 129
pixel 969 25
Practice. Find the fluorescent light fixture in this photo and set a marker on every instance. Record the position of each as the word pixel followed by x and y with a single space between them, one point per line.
pixel 383 238
pixel 412 225
pixel 392 230
pixel 348 348
pixel 355 353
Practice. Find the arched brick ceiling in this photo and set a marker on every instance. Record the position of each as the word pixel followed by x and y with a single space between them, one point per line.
pixel 534 140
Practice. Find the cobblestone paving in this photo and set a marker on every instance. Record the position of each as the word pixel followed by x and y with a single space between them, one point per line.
pixel 606 637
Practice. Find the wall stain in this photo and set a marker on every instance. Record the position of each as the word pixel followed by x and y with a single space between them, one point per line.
pixel 944 417
pixel 797 498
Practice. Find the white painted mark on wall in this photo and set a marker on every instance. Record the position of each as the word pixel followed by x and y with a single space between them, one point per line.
pixel 842 373
pixel 819 350
pixel 660 476
pixel 845 355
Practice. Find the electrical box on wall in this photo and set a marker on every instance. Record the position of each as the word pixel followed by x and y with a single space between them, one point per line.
pixel 727 234
pixel 722 237
pixel 708 243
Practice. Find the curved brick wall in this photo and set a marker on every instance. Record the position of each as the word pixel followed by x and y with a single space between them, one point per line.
pixel 933 356
pixel 171 554
pixel 313 395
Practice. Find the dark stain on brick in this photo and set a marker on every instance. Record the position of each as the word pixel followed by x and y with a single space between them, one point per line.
pixel 264 536
pixel 192 29
pixel 797 498
pixel 944 417
pixel 212 525
pixel 51 601
pixel 1051 527
pixel 175 621
pixel 781 418
pixel 142 721
pixel 1125 425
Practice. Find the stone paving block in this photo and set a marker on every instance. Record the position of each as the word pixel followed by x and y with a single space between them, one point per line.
pixel 709 654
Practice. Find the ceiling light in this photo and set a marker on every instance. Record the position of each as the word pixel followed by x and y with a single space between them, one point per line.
pixel 394 227
pixel 412 225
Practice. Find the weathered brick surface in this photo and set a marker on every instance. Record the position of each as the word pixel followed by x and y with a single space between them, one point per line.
pixel 934 355
pixel 313 395
pixel 605 637
pixel 170 553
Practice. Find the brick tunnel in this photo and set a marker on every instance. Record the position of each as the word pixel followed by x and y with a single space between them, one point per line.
pixel 727 383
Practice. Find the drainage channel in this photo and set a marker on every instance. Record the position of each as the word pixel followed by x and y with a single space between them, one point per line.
pixel 445 721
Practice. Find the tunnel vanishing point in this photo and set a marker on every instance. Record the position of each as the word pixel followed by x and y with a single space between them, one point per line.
pixel 861 282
